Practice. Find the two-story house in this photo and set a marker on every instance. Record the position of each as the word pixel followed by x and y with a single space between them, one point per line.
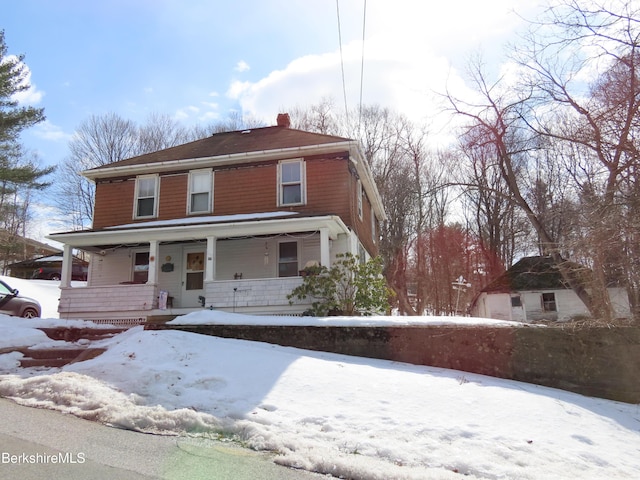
pixel 227 222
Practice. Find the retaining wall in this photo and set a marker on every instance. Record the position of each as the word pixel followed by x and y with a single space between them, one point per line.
pixel 595 361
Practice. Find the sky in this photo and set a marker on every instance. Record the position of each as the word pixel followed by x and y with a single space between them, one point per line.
pixel 199 60
pixel 351 417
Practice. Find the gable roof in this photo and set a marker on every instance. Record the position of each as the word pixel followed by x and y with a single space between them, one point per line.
pixel 531 273
pixel 256 140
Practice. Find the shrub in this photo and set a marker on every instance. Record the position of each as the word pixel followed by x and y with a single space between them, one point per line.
pixel 349 287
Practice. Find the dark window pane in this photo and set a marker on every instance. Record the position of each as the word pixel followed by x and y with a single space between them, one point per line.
pixel 291 194
pixel 200 202
pixel 145 207
pixel 288 259
pixel 549 302
pixel 195 281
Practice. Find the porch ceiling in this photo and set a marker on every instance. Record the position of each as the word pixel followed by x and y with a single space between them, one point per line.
pixel 175 232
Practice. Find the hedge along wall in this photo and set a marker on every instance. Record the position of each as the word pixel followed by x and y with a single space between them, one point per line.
pixel 600 361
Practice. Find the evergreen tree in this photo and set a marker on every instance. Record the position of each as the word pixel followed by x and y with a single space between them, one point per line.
pixel 13 118
pixel 19 174
pixel 14 171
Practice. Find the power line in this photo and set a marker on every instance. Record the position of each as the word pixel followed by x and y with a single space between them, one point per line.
pixel 364 23
pixel 344 88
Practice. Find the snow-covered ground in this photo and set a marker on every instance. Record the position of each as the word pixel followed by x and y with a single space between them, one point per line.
pixel 348 416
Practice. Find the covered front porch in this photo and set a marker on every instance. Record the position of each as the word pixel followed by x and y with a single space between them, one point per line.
pixel 158 270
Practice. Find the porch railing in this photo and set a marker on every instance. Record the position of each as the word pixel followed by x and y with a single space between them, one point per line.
pixel 269 294
pixel 98 301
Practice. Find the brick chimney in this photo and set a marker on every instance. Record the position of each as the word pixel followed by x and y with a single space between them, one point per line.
pixel 283 120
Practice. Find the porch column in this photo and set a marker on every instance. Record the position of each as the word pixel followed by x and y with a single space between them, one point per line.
pixel 210 268
pixel 153 262
pixel 325 254
pixel 67 265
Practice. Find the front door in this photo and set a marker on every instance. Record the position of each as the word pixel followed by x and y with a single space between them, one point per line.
pixel 193 276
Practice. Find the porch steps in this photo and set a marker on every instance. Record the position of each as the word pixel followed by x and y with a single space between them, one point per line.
pixel 55 357
pixel 73 334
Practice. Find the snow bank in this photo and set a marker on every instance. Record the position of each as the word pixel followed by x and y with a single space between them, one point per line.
pixel 217 317
pixel 348 416
pixel 351 417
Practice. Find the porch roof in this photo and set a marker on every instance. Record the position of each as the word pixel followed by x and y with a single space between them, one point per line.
pixel 226 226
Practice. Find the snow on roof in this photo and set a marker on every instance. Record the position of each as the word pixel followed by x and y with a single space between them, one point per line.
pixel 52 258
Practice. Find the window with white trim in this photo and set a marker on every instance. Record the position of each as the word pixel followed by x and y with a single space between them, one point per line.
pixel 140 267
pixel 146 202
pixel 291 183
pixel 200 191
pixel 373 225
pixel 549 302
pixel 359 199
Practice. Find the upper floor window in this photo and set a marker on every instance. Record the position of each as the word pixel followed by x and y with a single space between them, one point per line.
pixel 200 191
pixel 291 183
pixel 146 196
pixel 359 199
pixel 374 230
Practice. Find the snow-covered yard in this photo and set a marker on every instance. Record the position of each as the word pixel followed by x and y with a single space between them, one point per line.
pixel 351 417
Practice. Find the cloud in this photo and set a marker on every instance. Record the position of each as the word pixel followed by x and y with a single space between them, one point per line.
pixel 400 81
pixel 50 131
pixel 31 95
pixel 412 54
pixel 242 66
pixel 186 112
pixel 46 219
pixel 209 116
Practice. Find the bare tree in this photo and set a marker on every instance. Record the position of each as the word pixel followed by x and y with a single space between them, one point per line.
pixel 595 124
pixel 497 117
pixel 101 140
pixel 234 121
pixel 488 208
pixel 161 131
pixel 318 118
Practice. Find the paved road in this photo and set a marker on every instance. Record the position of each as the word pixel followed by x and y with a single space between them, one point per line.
pixel 32 440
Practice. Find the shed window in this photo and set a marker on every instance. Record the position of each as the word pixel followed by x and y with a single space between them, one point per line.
pixel 516 301
pixel 549 302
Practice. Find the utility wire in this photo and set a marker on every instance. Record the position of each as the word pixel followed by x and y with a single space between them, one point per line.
pixel 364 23
pixel 344 88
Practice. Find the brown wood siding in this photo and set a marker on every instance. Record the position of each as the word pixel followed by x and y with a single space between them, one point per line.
pixel 245 189
pixel 362 227
pixel 173 196
pixel 113 203
pixel 328 187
